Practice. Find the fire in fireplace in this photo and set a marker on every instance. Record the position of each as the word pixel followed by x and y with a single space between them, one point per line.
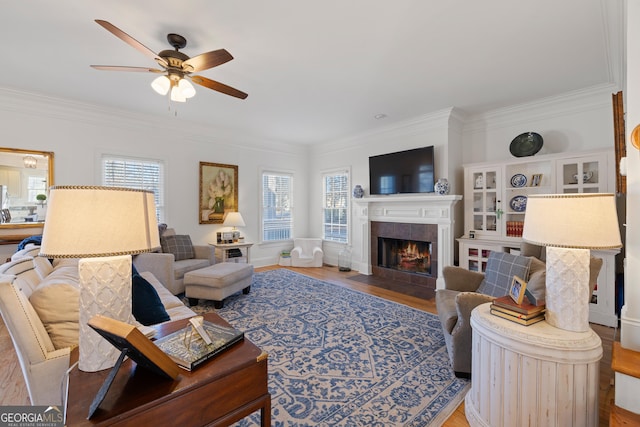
pixel 405 255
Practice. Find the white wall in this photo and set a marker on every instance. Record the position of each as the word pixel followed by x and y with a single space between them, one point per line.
pixel 577 121
pixel 79 134
pixel 353 153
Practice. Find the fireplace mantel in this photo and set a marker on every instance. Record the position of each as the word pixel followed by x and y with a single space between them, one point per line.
pixel 413 208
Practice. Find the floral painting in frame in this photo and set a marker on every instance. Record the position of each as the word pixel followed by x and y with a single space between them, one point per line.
pixel 218 191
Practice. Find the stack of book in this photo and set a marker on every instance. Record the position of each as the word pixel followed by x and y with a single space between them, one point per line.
pixel 524 313
pixel 514 228
pixel 234 253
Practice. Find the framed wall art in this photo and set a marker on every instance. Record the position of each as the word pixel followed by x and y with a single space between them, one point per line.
pixel 218 192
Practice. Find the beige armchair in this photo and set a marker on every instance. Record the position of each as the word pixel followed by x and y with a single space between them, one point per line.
pixel 307 252
pixel 170 265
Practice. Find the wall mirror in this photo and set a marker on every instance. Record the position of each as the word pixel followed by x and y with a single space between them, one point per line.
pixel 25 177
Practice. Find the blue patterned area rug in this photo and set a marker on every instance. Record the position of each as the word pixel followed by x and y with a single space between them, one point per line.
pixel 339 357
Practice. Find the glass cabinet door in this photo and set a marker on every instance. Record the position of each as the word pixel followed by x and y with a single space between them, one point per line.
pixel 582 175
pixel 485 187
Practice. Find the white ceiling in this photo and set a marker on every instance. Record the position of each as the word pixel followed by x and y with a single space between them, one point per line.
pixel 316 70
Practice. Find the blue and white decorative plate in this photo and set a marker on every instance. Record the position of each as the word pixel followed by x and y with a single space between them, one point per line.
pixel 518 180
pixel 518 203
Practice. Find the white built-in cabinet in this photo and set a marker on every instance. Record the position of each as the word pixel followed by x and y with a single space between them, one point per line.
pixel 495 197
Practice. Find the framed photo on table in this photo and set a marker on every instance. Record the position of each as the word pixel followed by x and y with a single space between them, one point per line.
pixel 517 288
pixel 218 192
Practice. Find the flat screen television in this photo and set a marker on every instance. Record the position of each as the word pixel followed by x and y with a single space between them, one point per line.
pixel 409 171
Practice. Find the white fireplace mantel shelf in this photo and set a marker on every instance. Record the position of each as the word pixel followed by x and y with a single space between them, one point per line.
pixel 412 208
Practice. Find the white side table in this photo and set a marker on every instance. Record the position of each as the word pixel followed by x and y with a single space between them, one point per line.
pixel 534 375
pixel 223 249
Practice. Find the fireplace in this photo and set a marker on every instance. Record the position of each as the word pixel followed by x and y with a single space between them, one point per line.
pixel 406 253
pixel 411 256
pixel 426 218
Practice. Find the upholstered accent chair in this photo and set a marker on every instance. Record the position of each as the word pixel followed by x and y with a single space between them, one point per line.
pixel 465 290
pixel 307 252
pixel 178 257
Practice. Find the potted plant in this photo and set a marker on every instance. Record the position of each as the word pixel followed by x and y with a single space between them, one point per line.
pixel 41 198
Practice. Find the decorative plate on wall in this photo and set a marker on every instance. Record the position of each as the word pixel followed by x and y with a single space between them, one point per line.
pixel 526 144
pixel 518 203
pixel 518 180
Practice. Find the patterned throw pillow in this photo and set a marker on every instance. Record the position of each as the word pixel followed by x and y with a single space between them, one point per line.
pixel 501 267
pixel 178 245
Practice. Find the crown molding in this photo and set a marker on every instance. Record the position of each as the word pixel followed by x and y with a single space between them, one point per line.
pixel 39 105
pixel 578 101
pixel 438 120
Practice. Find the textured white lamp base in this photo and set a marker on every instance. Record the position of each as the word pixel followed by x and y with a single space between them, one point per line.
pixel 105 288
pixel 567 296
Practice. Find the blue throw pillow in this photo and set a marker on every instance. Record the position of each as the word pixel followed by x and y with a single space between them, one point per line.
pixel 146 305
pixel 501 267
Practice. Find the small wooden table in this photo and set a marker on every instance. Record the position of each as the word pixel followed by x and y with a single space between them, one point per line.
pixel 220 392
pixel 224 250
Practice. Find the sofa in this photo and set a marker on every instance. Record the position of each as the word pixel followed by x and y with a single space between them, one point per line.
pixel 177 257
pixel 39 302
pixel 465 290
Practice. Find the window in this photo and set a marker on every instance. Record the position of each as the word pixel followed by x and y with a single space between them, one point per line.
pixel 336 206
pixel 143 174
pixel 277 206
pixel 35 185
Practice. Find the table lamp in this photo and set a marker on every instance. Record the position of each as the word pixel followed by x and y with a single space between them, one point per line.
pixel 103 226
pixel 234 219
pixel 569 225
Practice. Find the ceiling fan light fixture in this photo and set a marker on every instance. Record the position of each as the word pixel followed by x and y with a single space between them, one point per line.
pixel 186 88
pixel 161 85
pixel 176 95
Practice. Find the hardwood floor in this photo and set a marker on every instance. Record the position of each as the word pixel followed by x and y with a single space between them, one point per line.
pixel 13 390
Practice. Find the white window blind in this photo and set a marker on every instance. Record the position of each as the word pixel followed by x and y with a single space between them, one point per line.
pixel 143 174
pixel 277 206
pixel 336 206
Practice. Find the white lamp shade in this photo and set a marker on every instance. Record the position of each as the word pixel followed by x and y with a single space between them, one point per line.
pixel 176 95
pixel 584 220
pixel 161 85
pixel 233 219
pixel 99 221
pixel 186 88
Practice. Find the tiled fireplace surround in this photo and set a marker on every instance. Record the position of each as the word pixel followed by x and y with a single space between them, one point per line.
pixel 427 218
pixel 405 231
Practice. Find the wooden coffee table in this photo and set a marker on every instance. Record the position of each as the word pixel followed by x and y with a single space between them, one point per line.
pixel 220 392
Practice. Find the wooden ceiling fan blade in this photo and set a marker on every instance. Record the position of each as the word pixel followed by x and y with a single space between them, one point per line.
pixel 121 68
pixel 217 86
pixel 130 40
pixel 207 60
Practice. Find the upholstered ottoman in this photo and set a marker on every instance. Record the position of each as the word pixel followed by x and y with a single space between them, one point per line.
pixel 217 282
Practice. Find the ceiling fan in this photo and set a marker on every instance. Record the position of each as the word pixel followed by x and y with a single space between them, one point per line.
pixel 177 68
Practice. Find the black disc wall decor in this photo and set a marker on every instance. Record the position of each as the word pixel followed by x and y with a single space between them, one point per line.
pixel 526 144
